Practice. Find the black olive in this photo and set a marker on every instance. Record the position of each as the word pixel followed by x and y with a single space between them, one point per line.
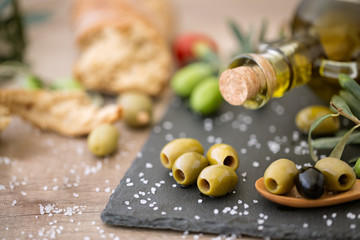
pixel 310 182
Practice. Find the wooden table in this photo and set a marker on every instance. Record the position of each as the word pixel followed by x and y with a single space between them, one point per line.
pixel 51 186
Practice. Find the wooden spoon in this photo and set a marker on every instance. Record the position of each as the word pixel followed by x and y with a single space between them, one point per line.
pixel 294 199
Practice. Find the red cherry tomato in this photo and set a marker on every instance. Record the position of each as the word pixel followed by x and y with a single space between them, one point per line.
pixel 184 46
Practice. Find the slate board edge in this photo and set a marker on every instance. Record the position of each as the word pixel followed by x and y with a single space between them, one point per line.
pixel 209 227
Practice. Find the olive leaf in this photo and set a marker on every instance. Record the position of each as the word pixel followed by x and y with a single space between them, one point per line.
pixel 352 101
pixel 350 84
pixel 330 142
pixel 338 104
pixel 247 40
pixel 312 128
pixel 263 30
pixel 339 148
pixel 206 54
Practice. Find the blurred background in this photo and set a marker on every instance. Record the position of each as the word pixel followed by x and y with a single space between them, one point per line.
pixel 50 43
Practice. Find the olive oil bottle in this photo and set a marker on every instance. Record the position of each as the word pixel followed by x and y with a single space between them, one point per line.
pixel 325 42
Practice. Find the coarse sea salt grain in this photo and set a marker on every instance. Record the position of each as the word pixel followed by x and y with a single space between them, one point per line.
pixel 329 222
pixel 13 203
pixel 351 215
pixel 167 125
pixel 272 128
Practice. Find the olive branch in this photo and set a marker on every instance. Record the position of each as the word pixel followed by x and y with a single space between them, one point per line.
pixel 346 104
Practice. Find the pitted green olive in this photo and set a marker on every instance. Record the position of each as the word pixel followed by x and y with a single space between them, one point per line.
pixel 279 176
pixel 339 176
pixel 187 167
pixel 103 140
pixel 172 150
pixel 306 117
pixel 217 180
pixel 223 154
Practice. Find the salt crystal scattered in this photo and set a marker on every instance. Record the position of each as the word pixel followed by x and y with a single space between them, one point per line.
pixel 329 222
pixel 76 195
pixel 167 125
pixel 351 215
pixel 305 225
pixel 13 203
pixel 272 128
pixel 255 164
pixel 108 189
pixel 148 165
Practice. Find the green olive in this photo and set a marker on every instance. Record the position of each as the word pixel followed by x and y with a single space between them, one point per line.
pixel 186 78
pixel 357 168
pixel 137 108
pixel 187 167
pixel 172 150
pixel 217 180
pixel 67 84
pixel 32 82
pixel 339 176
pixel 306 117
pixel 223 154
pixel 206 98
pixel 103 140
pixel 279 176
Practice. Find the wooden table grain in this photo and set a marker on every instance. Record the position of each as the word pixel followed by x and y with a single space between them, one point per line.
pixel 51 186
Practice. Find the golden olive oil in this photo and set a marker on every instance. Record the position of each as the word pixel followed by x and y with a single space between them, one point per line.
pixel 325 42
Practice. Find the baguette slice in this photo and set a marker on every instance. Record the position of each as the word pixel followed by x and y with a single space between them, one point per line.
pixel 69 113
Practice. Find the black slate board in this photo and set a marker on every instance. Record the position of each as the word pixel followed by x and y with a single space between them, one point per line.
pixel 147 196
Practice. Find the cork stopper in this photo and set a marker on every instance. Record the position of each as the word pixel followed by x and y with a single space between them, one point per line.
pixel 240 84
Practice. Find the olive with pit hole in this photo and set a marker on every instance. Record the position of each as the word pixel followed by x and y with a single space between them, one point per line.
pixel 206 97
pixel 223 154
pixel 217 180
pixel 307 116
pixel 187 168
pixel 339 176
pixel 103 140
pixel 185 79
pixel 173 149
pixel 279 176
pixel 137 108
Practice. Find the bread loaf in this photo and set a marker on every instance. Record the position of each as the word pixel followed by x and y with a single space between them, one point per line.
pixel 123 44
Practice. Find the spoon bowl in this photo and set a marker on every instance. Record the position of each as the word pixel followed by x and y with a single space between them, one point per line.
pixel 294 199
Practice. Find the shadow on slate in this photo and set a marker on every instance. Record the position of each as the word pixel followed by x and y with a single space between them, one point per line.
pixel 148 197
